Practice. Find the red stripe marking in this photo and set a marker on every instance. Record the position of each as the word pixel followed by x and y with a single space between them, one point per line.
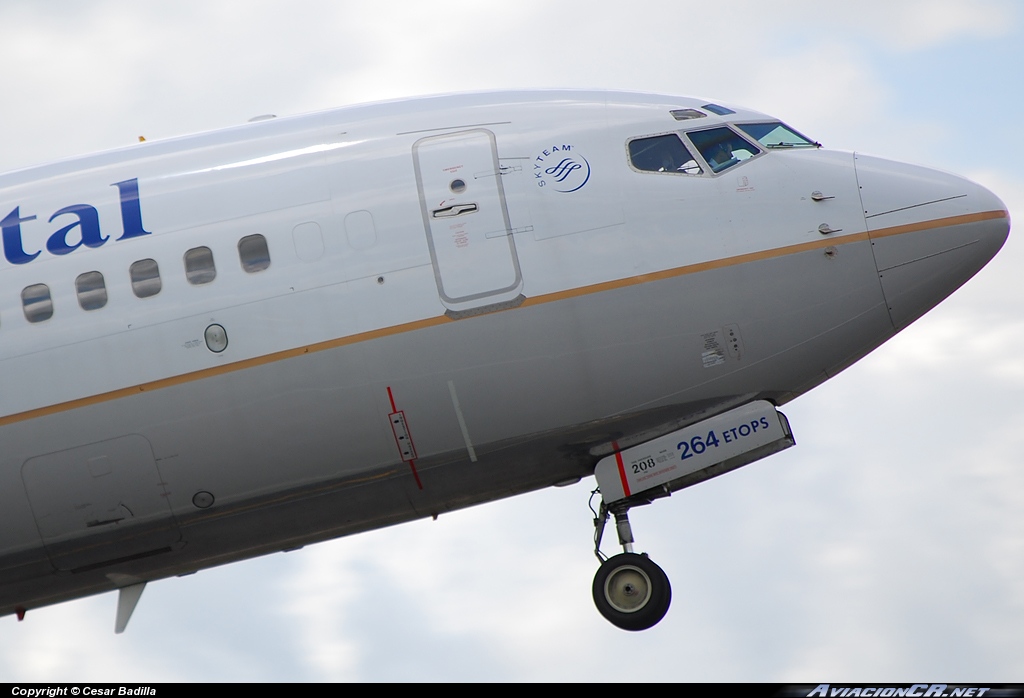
pixel 622 468
pixel 412 465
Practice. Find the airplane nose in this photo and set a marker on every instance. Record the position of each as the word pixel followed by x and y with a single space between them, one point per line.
pixel 930 232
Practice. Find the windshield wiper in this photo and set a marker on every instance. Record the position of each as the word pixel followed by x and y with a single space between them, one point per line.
pixel 792 145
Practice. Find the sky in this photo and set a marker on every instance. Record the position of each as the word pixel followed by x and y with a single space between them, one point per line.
pixel 889 543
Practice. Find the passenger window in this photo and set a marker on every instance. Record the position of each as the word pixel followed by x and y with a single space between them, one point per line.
pixel 145 275
pixel 662 154
pixel 253 252
pixel 91 289
pixel 199 267
pixel 722 147
pixel 36 302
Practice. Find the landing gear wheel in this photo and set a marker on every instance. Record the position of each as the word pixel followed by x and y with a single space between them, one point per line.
pixel 631 592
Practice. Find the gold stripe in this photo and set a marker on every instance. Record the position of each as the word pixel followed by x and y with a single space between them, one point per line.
pixel 226 368
pixel 536 300
pixel 694 268
pixel 943 223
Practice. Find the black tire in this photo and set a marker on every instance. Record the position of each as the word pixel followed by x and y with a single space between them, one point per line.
pixel 632 592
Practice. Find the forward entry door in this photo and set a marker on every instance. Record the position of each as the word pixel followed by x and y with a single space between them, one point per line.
pixel 466 220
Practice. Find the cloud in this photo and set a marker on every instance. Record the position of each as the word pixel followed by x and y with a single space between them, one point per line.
pixel 921 24
pixel 902 25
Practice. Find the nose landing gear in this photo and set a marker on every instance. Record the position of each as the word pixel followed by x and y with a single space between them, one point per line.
pixel 630 591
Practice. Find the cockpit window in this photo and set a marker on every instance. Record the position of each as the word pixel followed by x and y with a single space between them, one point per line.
pixel 776 134
pixel 685 114
pixel 718 109
pixel 662 154
pixel 722 147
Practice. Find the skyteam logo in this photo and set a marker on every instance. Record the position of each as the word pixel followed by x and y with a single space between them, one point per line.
pixel 562 168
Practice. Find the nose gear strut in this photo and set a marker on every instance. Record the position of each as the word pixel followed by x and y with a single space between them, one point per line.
pixel 630 590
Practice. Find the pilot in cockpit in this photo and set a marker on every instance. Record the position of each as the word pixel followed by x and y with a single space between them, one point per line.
pixel 720 157
pixel 668 161
pixel 664 153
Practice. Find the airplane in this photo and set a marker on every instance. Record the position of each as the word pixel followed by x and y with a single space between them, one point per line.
pixel 226 345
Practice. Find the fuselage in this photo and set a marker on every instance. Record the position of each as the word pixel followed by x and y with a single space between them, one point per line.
pixel 230 344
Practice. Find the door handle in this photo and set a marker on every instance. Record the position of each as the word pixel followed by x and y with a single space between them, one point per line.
pixel 453 211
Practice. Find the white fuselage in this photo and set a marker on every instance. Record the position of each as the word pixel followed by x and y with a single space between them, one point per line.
pixel 495 268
